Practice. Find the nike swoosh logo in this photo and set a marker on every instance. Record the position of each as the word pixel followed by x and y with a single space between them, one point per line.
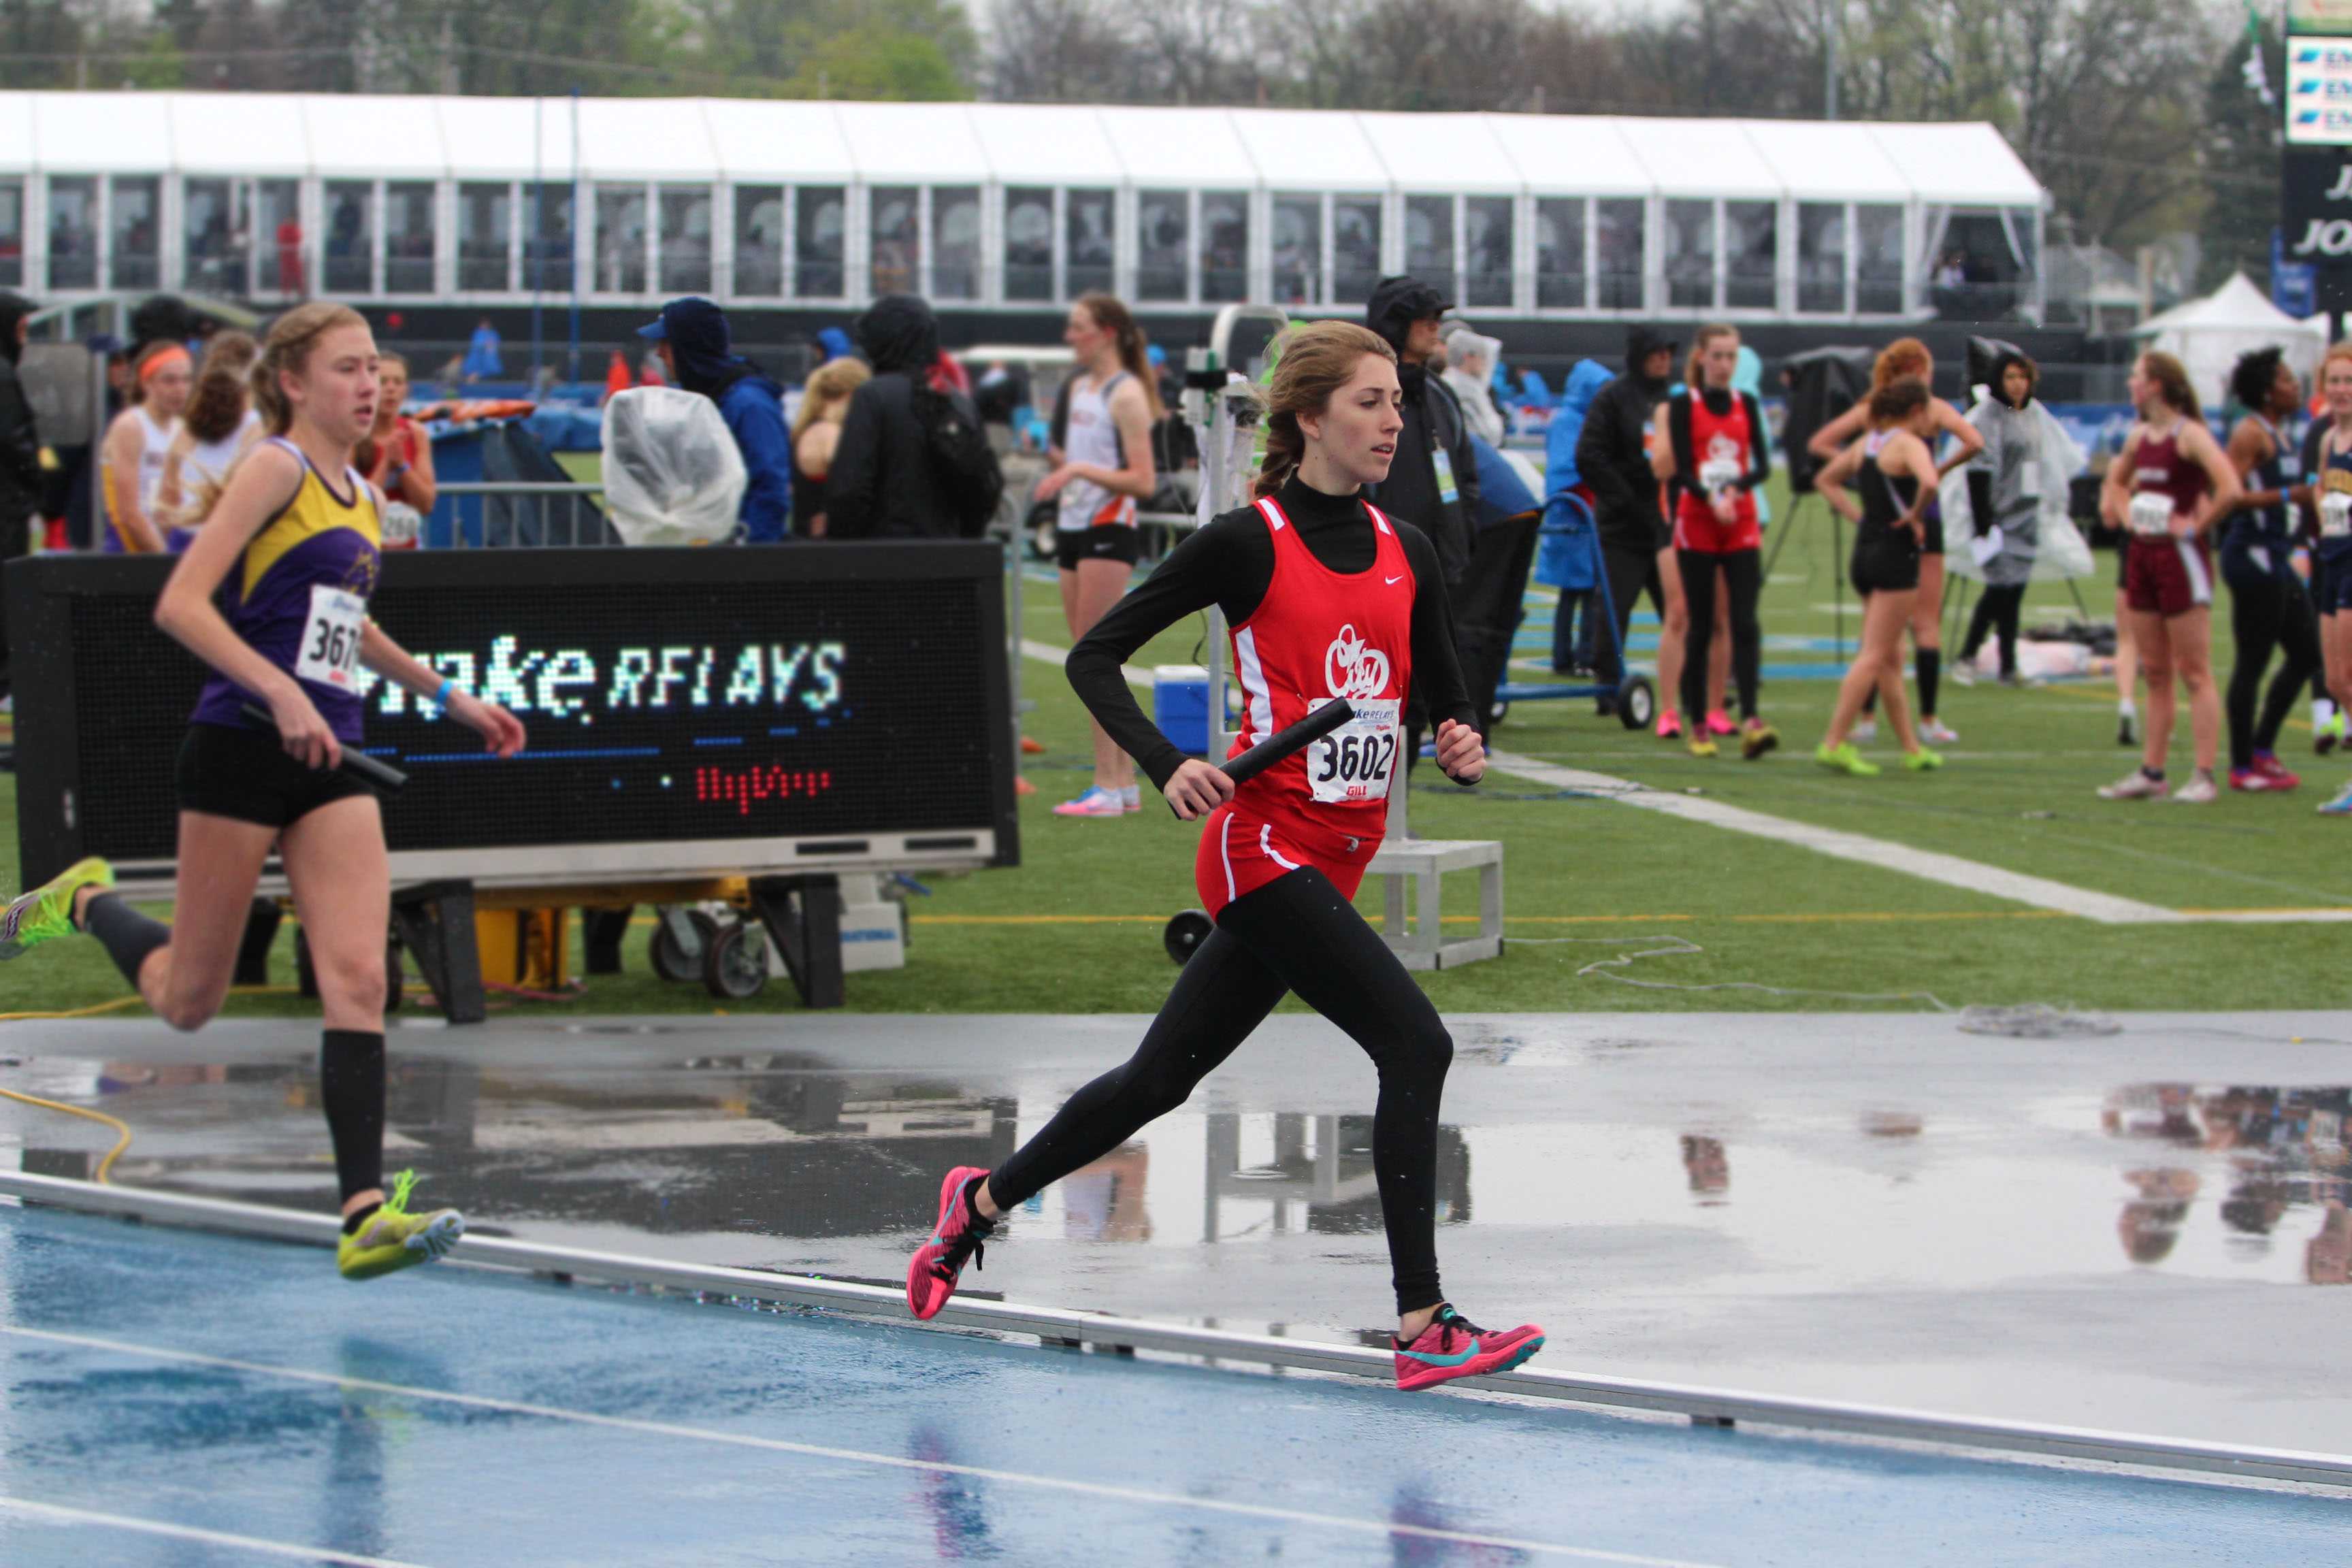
pixel 1442 1360
pixel 1394 581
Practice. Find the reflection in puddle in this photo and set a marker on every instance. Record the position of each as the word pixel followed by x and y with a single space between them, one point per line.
pixel 2280 1150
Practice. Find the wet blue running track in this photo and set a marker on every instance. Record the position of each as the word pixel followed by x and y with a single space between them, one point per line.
pixel 173 1398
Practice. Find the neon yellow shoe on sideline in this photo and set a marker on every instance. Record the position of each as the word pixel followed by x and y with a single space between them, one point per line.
pixel 1842 758
pixel 46 912
pixel 392 1238
pixel 1923 760
pixel 1702 744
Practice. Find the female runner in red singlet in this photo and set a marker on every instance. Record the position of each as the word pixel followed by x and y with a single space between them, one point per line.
pixel 1327 598
pixel 2164 490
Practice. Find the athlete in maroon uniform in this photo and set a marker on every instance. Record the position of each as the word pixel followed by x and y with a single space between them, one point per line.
pixel 1327 598
pixel 2165 488
pixel 1716 453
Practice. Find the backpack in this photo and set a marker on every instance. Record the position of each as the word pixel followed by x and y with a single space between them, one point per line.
pixel 963 464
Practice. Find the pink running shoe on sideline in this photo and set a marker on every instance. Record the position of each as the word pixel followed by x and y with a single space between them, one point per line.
pixel 931 1273
pixel 2267 764
pixel 1719 722
pixel 1670 725
pixel 1453 1346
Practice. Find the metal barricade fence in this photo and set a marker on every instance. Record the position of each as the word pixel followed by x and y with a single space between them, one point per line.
pixel 497 514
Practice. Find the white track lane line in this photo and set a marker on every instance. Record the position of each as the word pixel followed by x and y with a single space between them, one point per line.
pixel 850 1455
pixel 51 1513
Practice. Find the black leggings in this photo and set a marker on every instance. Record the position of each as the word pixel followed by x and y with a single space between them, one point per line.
pixel 1295 933
pixel 2266 611
pixel 1743 575
pixel 1996 611
pixel 1632 571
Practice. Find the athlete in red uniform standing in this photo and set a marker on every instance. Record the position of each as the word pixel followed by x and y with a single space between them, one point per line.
pixel 1716 453
pixel 1327 598
pixel 2165 488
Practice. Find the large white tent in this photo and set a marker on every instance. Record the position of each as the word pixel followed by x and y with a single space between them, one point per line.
pixel 2209 334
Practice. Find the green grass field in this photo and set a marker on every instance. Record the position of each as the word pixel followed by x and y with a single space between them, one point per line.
pixel 1076 927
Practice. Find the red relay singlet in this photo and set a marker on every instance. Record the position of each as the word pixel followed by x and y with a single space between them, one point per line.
pixel 2165 574
pixel 1722 450
pixel 1317 634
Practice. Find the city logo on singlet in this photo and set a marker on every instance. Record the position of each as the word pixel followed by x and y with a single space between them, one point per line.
pixel 1352 667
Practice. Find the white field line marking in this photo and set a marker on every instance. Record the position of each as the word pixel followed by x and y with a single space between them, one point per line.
pixel 53 1514
pixel 1928 864
pixel 1970 876
pixel 850 1455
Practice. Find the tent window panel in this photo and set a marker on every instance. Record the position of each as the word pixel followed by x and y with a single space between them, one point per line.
pixel 277 220
pixel 685 240
pixel 1093 247
pixel 1224 246
pixel 138 222
pixel 1029 245
pixel 1560 254
pixel 1821 258
pixel 351 236
pixel 1621 261
pixel 485 228
pixel 820 239
pixel 1689 259
pixel 1878 260
pixel 12 233
pixel 214 238
pixel 760 240
pixel 1298 250
pixel 408 238
pixel 547 252
pixel 1752 250
pixel 1429 243
pixel 955 242
pixel 73 233
pixel 620 240
pixel 1355 247
pixel 1161 220
pixel 895 232
pixel 1488 230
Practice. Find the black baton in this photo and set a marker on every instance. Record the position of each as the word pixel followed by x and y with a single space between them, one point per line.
pixel 1285 743
pixel 358 763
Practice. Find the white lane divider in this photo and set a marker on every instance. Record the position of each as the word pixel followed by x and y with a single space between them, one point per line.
pixel 826 1451
pixel 54 1513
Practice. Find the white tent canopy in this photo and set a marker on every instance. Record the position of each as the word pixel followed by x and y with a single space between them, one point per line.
pixel 342 137
pixel 2209 334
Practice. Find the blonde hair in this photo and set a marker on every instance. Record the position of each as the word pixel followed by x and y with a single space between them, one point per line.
pixel 834 379
pixel 286 349
pixel 1699 340
pixel 217 406
pixel 2172 378
pixel 1317 359
pixel 1903 357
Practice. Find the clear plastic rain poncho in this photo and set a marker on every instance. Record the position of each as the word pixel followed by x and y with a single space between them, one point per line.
pixel 672 474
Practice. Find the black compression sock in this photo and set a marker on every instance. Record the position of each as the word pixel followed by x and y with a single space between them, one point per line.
pixel 981 1224
pixel 358 1217
pixel 127 935
pixel 351 1086
pixel 1927 666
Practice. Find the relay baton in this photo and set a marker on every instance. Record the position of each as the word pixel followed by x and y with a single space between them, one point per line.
pixel 358 763
pixel 1285 742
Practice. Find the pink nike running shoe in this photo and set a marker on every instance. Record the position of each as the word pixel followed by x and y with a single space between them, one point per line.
pixel 931 1274
pixel 1453 1346
pixel 1719 722
pixel 1670 725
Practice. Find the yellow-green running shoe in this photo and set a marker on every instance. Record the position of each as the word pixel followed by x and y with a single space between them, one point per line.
pixel 1702 744
pixel 46 912
pixel 1842 758
pixel 392 1238
pixel 1923 760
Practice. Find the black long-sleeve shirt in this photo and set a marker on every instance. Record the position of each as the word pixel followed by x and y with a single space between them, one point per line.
pixel 1229 564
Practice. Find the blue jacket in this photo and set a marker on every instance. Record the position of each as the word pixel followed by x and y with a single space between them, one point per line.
pixel 1565 552
pixel 753 408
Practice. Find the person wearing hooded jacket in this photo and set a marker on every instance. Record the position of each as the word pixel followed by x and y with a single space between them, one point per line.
pixel 1434 481
pixel 1612 457
pixel 883 484
pixel 20 451
pixel 692 340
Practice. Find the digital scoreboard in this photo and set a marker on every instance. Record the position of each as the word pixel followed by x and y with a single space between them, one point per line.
pixel 690 711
